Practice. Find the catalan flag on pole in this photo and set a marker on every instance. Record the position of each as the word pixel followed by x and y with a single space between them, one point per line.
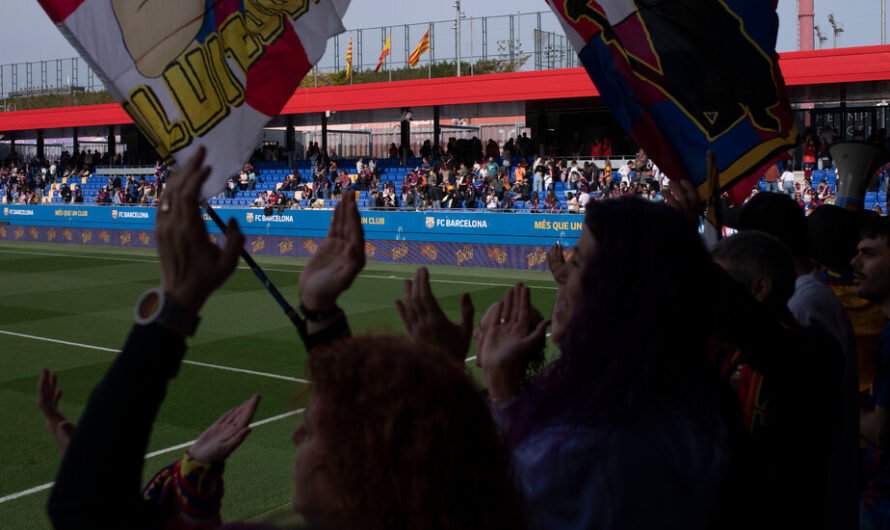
pixel 349 60
pixel 197 73
pixel 422 47
pixel 683 77
pixel 386 49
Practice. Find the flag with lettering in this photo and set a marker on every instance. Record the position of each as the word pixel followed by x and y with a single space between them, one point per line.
pixel 683 77
pixel 200 72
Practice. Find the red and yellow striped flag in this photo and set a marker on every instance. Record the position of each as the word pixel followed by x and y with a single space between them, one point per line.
pixel 349 60
pixel 422 47
pixel 386 49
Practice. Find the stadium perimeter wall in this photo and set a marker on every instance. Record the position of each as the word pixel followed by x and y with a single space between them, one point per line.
pixel 472 239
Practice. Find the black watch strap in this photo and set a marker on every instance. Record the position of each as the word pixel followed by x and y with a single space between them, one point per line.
pixel 319 316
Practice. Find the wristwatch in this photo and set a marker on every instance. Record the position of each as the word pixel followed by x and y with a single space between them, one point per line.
pixel 155 307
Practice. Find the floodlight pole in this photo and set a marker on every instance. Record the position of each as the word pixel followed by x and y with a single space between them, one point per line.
pixel 457 34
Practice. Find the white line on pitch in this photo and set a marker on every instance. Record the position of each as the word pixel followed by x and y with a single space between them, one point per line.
pixel 296 269
pixel 185 361
pixel 178 447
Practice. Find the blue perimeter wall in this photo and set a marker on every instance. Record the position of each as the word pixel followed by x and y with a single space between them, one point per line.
pixel 501 240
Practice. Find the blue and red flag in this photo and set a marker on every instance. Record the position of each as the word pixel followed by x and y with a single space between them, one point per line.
pixel 686 76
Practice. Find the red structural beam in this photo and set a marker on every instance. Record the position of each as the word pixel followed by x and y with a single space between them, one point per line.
pixel 844 65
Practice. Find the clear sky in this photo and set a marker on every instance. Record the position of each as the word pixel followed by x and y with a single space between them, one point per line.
pixel 28 34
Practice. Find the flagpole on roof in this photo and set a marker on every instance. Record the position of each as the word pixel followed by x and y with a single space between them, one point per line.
pixel 429 32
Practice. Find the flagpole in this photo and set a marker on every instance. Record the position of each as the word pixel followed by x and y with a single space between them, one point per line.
pixel 288 309
pixel 429 32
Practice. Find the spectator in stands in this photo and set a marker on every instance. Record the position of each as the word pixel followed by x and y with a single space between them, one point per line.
pixel 470 198
pixel 771 178
pixel 573 206
pixel 583 199
pixel 788 183
pixel 538 179
pixel 64 192
pixel 134 189
pixel 574 176
pixel 607 147
pixel 813 303
pixel 606 177
pixel 788 396
pixel 833 237
pixel 625 172
pixel 809 157
pixel 506 203
pixel 871 268
pixel 491 201
pixel 534 203
pixel 551 203
pixel 623 430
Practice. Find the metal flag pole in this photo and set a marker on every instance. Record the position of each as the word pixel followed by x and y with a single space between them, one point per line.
pixel 289 311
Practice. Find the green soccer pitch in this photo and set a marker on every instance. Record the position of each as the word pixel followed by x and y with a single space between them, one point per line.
pixel 69 308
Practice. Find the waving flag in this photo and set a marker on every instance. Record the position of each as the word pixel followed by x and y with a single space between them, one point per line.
pixel 386 49
pixel 200 72
pixel 349 60
pixel 422 47
pixel 686 76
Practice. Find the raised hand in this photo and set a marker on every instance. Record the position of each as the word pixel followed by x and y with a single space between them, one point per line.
pixel 555 259
pixel 506 345
pixel 682 196
pixel 221 439
pixel 191 266
pixel 428 325
pixel 48 396
pixel 338 260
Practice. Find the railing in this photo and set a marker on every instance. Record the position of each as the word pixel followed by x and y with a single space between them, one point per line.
pixel 518 42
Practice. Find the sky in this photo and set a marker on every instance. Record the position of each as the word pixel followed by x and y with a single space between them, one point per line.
pixel 28 34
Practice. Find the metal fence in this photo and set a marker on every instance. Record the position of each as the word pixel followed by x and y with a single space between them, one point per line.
pixel 523 42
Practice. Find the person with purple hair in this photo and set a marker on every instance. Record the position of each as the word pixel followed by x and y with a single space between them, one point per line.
pixel 627 428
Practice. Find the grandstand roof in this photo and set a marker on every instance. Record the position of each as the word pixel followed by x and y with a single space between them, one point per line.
pixel 855 74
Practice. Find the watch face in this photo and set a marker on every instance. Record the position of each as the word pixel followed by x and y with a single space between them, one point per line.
pixel 149 305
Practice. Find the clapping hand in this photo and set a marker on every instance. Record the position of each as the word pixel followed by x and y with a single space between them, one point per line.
pixel 506 345
pixel 48 396
pixel 221 439
pixel 338 260
pixel 191 266
pixel 555 259
pixel 682 196
pixel 427 324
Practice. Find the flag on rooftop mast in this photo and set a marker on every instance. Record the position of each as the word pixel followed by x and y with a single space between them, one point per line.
pixel 349 60
pixel 194 73
pixel 422 47
pixel 386 49
pixel 684 77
